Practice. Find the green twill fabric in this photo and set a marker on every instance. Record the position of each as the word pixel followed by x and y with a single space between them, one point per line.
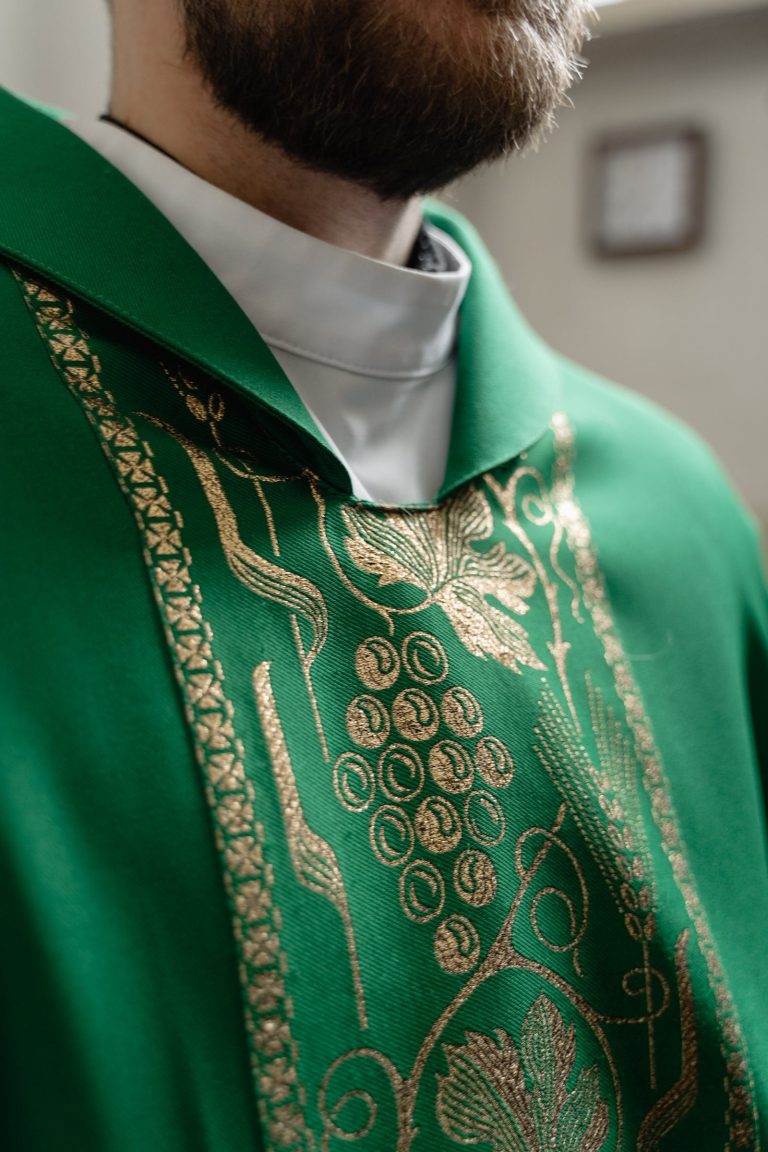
pixel 327 825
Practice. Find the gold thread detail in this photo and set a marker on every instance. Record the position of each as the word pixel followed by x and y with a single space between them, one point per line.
pixel 314 860
pixel 422 891
pixel 457 945
pixel 667 1112
pixel 474 877
pixel 424 658
pixel 415 715
pixel 484 818
pixel 494 762
pixel 462 713
pixel 516 1098
pixel 367 722
pixel 391 835
pixel 261 576
pixel 741 1116
pixel 377 663
pixel 451 766
pixel 210 715
pixel 438 825
pixel 401 773
pixel 354 782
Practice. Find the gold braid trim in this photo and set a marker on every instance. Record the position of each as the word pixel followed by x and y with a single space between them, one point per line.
pixel 210 715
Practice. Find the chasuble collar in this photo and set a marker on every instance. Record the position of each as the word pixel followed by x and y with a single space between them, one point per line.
pixel 73 217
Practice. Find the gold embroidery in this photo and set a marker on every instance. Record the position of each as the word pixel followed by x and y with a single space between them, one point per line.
pixel 367 722
pixel 451 766
pixel 261 576
pixel 314 860
pixel 436 822
pixel 540 510
pixel 210 714
pixel 391 835
pixel 305 660
pixel 210 409
pixel 322 522
pixel 333 1117
pixel 597 798
pixel 484 818
pixel 401 773
pixel 462 713
pixel 377 663
pixel 474 877
pixel 578 915
pixel 741 1115
pixel 457 945
pixel 438 825
pixel 354 782
pixel 494 762
pixel 433 550
pixel 415 715
pixel 424 658
pixel 519 1100
pixel 422 891
pixel 667 1112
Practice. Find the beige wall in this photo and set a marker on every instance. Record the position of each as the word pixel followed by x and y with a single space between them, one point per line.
pixel 56 51
pixel 691 331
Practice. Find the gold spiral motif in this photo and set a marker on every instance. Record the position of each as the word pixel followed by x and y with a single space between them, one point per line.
pixel 424 658
pixel 422 891
pixel 415 715
pixel 494 762
pixel 391 835
pixel 354 782
pixel 367 722
pixel 484 818
pixel 451 766
pixel 457 945
pixel 377 663
pixel 401 773
pixel 438 825
pixel 474 877
pixel 462 712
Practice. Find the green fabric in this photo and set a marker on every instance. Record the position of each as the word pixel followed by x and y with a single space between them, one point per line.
pixel 328 826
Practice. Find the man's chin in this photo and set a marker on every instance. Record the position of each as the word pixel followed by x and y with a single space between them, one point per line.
pixel 400 98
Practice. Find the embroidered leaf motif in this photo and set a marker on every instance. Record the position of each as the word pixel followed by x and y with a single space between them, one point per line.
pixel 260 575
pixel 519 1101
pixel 433 551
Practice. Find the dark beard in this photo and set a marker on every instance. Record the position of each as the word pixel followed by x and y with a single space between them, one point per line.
pixel 399 96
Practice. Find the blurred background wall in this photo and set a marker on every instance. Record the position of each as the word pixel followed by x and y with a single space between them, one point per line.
pixel 690 329
pixel 56 51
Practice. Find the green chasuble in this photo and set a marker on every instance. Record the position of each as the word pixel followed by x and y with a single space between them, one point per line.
pixel 327 825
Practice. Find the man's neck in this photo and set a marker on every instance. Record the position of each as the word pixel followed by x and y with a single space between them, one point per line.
pixel 159 94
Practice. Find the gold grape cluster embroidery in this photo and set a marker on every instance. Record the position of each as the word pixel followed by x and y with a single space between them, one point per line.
pixel 400 749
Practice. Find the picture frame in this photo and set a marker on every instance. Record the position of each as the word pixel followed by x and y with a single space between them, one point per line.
pixel 647 191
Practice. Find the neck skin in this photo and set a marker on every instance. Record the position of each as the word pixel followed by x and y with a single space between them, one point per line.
pixel 158 93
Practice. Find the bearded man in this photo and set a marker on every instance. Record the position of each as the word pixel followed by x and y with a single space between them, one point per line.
pixel 383 696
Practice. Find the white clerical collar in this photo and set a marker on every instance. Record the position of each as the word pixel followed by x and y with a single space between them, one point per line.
pixel 319 301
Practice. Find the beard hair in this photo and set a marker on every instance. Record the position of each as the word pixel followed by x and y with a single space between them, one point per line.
pixel 398 96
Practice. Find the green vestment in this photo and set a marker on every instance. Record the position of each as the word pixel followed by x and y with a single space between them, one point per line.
pixel 326 825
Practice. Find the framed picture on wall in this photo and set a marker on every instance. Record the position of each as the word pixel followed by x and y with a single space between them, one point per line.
pixel 647 191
